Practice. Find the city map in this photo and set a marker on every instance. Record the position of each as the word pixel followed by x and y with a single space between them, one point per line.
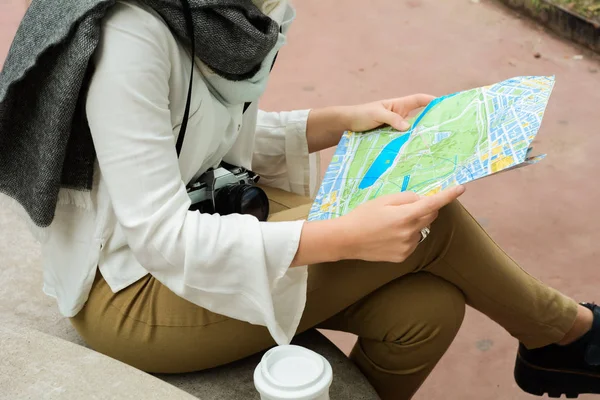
pixel 456 139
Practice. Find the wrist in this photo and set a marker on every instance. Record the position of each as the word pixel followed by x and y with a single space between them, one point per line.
pixel 322 241
pixel 325 127
pixel 344 115
pixel 342 241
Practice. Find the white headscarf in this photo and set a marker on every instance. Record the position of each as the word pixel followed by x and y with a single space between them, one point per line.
pixel 239 92
pixel 273 8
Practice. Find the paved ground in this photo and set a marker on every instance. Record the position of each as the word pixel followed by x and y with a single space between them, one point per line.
pixel 544 216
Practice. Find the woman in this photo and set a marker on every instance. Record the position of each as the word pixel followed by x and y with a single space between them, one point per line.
pixel 168 290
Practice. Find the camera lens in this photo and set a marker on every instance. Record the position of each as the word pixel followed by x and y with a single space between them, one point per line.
pixel 242 199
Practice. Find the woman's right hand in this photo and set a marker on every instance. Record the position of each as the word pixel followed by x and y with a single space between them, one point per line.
pixel 384 229
pixel 389 228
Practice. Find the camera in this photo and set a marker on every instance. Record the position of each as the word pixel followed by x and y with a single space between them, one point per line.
pixel 228 189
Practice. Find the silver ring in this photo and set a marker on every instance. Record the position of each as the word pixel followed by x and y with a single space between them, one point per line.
pixel 424 233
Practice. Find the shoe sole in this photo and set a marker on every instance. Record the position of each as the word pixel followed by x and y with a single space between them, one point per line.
pixel 539 381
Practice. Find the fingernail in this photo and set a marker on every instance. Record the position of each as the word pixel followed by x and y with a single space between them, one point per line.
pixel 404 126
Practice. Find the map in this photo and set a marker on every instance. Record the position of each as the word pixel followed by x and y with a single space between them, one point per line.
pixel 456 139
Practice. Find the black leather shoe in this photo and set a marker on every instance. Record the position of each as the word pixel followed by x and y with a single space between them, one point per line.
pixel 556 370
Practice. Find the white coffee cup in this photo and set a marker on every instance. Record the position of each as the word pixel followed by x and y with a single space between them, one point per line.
pixel 293 373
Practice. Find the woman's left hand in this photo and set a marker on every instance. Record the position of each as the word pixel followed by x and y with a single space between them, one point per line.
pixel 325 126
pixel 392 112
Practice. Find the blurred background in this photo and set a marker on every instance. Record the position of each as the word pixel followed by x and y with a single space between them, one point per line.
pixel 545 216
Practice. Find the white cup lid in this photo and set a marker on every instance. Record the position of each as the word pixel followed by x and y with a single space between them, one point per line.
pixel 292 372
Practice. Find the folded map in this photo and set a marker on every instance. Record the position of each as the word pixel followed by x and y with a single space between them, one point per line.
pixel 456 139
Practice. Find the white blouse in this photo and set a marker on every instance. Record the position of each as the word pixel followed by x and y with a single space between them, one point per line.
pixel 138 220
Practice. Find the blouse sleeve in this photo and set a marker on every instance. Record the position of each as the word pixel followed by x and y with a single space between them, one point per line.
pixel 281 154
pixel 231 265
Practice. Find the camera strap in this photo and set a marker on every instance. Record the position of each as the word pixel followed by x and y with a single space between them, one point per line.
pixel 187 12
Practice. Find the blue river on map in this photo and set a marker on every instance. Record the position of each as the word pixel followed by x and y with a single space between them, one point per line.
pixel 387 155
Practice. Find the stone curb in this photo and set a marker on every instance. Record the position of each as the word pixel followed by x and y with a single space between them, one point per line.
pixel 560 20
pixel 35 365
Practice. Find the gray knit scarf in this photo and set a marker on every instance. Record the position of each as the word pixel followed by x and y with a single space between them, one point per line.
pixel 45 142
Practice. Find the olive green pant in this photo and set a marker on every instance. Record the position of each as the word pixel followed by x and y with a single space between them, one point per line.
pixel 405 315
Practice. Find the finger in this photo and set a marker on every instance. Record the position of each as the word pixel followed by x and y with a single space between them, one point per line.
pixel 414 241
pixel 427 220
pixel 416 238
pixel 416 101
pixel 397 199
pixel 428 205
pixel 392 119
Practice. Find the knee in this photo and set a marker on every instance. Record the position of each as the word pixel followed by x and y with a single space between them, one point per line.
pixel 427 315
pixel 437 314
